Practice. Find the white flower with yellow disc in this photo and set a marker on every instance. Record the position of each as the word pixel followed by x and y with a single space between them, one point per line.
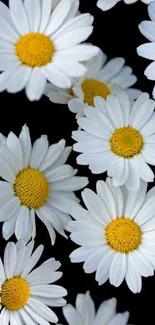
pixel 84 312
pixel 37 46
pixel 119 139
pixel 102 78
pixel 26 294
pixel 116 234
pixel 37 181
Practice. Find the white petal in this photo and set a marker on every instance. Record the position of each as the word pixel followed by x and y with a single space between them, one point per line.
pixel 151 11
pixel 125 105
pixel 5 172
pixel 42 310
pixel 119 319
pixel 25 141
pixel 19 79
pixel 138 103
pixel 5 12
pixel 8 228
pixel 115 114
pixel 96 207
pixel 105 312
pixel 37 318
pixel 143 115
pixel 10 259
pixel 112 67
pixel 148 128
pixel 27 253
pixel 118 269
pixel 2 271
pixel 79 53
pixel 106 196
pixel 102 273
pixel 33 10
pixel 39 151
pixel 5 317
pixel 88 238
pixel 26 319
pixel 147 51
pixel 60 173
pixel 10 208
pixel 142 265
pixel 32 261
pixel 22 223
pixel 72 316
pixel 14 146
pixel 93 260
pixel 53 291
pixel 19 16
pixel 133 278
pixel 147 29
pixel 118 196
pixel 58 16
pixel 56 76
pixel 48 226
pixel 9 62
pixel 81 254
pixel 46 8
pixel 135 201
pixel 54 153
pixel 7 32
pixel 67 40
pixel 36 85
pixel 74 183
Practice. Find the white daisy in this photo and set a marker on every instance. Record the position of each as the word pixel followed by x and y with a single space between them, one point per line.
pixel 101 79
pixel 25 294
pixel 116 234
pixel 36 45
pixel 118 139
pixel 147 50
pixel 37 180
pixel 85 314
pixel 108 4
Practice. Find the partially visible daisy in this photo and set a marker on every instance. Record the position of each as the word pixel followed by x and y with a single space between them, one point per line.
pixel 41 46
pixel 37 182
pixel 119 139
pixel 147 50
pixel 116 234
pixel 26 293
pixel 102 78
pixel 108 4
pixel 84 313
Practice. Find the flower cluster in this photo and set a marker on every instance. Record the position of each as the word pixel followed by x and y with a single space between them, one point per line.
pixel 43 50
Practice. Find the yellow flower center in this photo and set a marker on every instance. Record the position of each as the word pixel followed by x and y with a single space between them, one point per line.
pixel 126 142
pixel 15 293
pixel 31 187
pixel 123 235
pixel 35 50
pixel 92 88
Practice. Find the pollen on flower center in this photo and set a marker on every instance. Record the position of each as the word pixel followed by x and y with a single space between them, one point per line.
pixel 31 187
pixel 126 142
pixel 35 49
pixel 123 235
pixel 92 88
pixel 15 293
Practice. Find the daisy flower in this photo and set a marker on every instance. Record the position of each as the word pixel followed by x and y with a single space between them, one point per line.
pixel 25 294
pixel 108 4
pixel 147 50
pixel 37 181
pixel 116 234
pixel 119 139
pixel 37 46
pixel 102 78
pixel 85 310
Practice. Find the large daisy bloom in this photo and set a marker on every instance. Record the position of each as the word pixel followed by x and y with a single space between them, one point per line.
pixel 147 50
pixel 119 139
pixel 116 234
pixel 36 45
pixel 101 79
pixel 36 182
pixel 27 293
pixel 108 4
pixel 84 313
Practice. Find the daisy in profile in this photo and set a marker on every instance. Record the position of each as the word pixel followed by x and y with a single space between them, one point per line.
pixel 119 139
pixel 85 310
pixel 36 182
pixel 108 4
pixel 116 234
pixel 47 47
pixel 102 78
pixel 147 50
pixel 27 293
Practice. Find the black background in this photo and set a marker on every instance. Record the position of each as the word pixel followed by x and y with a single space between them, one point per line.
pixel 116 33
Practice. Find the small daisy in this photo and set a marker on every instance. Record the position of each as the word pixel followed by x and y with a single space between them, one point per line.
pixel 147 50
pixel 118 139
pixel 36 45
pixel 84 313
pixel 37 181
pixel 101 79
pixel 116 234
pixel 25 294
pixel 108 4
